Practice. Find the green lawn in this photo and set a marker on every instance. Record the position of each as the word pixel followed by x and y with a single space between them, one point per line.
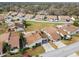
pixel 36 51
pixel 14 55
pixel 39 25
pixel 3 28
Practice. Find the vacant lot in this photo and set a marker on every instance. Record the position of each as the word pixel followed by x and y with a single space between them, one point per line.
pixel 39 25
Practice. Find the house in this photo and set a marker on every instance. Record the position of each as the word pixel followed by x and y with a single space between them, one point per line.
pixel 29 16
pixel 65 18
pixel 4 37
pixel 52 33
pixel 1 18
pixel 51 18
pixel 39 17
pixel 21 16
pixel 14 14
pixel 33 37
pixel 71 29
pixel 13 40
pixel 62 32
pixel 19 26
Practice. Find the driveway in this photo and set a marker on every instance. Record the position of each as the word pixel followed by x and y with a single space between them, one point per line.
pixel 64 51
pixel 59 44
pixel 48 47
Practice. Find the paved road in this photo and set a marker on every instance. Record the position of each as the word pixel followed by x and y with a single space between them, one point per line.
pixel 73 55
pixel 63 52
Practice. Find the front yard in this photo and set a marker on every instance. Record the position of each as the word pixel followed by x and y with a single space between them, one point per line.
pixel 35 52
pixel 74 39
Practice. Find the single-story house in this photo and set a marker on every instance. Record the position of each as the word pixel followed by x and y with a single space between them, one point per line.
pixel 65 18
pixel 11 38
pixel 29 16
pixel 3 38
pixel 14 40
pixel 1 18
pixel 51 18
pixel 71 29
pixel 39 17
pixel 62 32
pixel 34 37
pixel 52 33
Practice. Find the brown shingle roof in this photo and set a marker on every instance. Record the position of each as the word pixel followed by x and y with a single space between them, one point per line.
pixel 14 39
pixel 70 27
pixel 4 37
pixel 62 31
pixel 53 32
pixel 32 37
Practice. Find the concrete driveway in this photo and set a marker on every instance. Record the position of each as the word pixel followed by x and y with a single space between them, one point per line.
pixel 59 44
pixel 48 47
pixel 64 51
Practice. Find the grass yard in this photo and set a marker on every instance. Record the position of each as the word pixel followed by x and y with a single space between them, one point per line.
pixel 39 25
pixel 13 55
pixel 77 53
pixel 74 39
pixel 3 28
pixel 36 51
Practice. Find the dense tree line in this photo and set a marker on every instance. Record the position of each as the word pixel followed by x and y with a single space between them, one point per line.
pixel 49 8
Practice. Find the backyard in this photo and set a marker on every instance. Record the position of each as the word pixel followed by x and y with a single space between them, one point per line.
pixel 39 25
pixel 3 28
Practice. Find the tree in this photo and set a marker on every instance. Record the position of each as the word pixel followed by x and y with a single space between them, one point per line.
pixel 22 41
pixel 6 47
pixel 25 24
pixel 76 23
